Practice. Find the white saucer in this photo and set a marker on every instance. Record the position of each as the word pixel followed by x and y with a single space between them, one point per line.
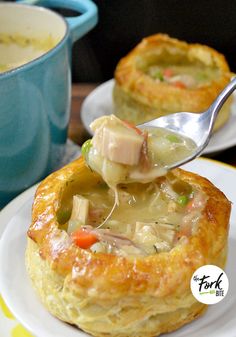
pixel 99 103
pixel 219 320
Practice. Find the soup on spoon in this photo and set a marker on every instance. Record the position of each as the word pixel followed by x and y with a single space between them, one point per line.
pixel 122 153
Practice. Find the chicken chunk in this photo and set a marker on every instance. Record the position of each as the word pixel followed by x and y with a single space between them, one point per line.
pixel 154 236
pixel 118 143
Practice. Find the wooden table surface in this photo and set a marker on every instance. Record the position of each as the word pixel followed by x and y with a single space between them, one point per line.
pixel 78 133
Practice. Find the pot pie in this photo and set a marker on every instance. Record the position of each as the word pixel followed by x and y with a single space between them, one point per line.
pixel 163 75
pixel 115 238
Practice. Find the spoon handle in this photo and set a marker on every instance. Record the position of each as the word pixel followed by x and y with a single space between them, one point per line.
pixel 220 100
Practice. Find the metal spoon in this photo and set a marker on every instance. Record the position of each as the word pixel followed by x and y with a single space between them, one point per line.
pixel 196 126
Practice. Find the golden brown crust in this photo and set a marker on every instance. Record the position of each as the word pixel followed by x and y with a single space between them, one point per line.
pixel 139 97
pixel 157 284
pixel 129 317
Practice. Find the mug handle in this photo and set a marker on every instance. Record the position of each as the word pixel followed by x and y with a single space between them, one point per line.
pixel 78 25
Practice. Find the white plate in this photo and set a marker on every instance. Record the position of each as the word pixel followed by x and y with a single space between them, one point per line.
pixel 219 321
pixel 99 103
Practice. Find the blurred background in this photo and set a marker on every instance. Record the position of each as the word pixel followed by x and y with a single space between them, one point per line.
pixel 122 24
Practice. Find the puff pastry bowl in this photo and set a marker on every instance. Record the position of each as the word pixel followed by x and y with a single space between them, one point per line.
pixel 163 75
pixel 112 295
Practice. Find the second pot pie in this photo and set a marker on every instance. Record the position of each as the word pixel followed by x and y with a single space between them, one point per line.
pixel 163 75
pixel 123 271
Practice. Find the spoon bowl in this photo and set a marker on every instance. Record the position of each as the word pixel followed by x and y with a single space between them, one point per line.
pixel 196 126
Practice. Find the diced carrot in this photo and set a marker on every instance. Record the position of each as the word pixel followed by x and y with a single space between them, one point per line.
pixel 179 84
pixel 132 126
pixel 168 73
pixel 83 238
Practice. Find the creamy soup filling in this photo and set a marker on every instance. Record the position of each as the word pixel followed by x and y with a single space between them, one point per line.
pixel 182 76
pixel 150 218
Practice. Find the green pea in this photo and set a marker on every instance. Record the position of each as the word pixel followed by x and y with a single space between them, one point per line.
pixel 158 75
pixel 201 76
pixel 86 147
pixel 63 215
pixel 173 138
pixel 183 200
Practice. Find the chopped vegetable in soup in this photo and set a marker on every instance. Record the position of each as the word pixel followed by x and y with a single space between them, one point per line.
pixel 182 76
pixel 150 218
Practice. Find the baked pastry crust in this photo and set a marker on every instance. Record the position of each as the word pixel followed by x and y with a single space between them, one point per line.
pixel 108 295
pixel 139 98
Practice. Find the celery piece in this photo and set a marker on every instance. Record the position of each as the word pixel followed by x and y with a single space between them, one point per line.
pixel 86 147
pixel 173 138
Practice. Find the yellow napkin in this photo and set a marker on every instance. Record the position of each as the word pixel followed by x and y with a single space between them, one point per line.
pixel 8 320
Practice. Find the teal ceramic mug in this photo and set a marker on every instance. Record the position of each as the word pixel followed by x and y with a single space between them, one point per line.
pixel 35 88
